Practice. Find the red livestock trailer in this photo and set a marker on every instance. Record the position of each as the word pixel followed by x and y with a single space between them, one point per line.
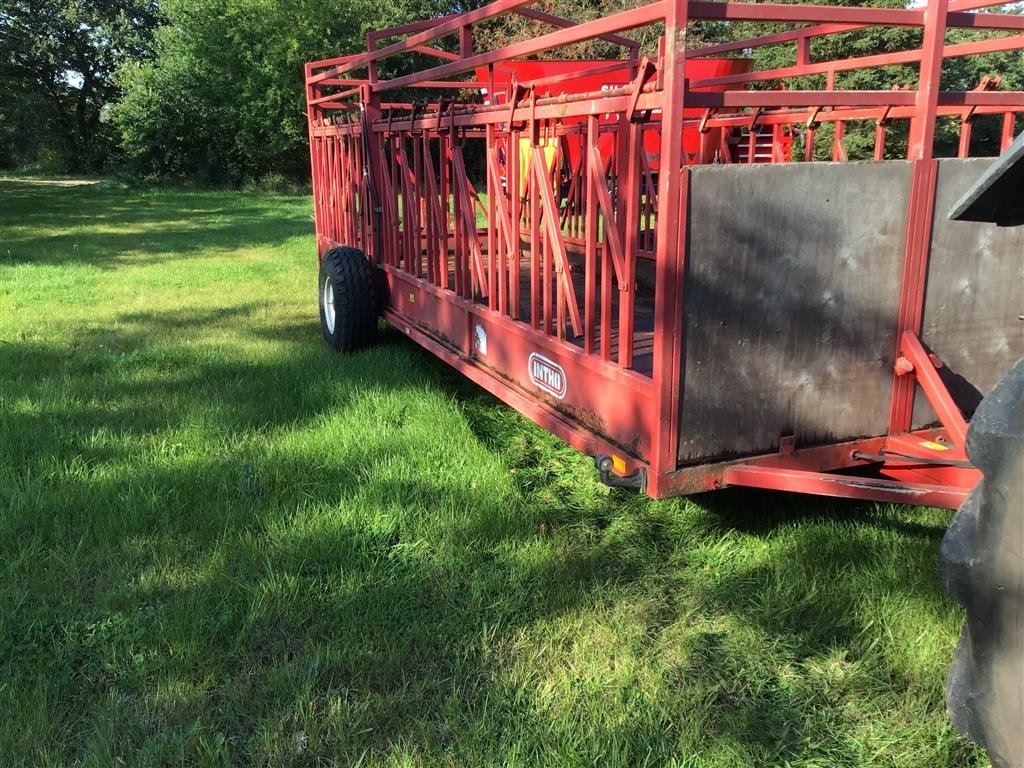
pixel 642 256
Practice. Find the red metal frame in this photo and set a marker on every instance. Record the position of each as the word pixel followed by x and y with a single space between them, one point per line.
pixel 600 179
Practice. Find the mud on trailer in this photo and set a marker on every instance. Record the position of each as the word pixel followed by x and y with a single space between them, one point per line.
pixel 651 267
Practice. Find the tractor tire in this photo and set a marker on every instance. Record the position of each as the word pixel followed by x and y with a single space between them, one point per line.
pixel 982 567
pixel 348 298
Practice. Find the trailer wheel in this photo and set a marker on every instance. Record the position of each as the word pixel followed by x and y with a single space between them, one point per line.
pixel 347 294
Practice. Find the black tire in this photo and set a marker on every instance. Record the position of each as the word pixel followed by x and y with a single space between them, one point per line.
pixel 982 567
pixel 347 276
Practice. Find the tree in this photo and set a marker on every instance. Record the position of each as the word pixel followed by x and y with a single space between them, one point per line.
pixel 60 56
pixel 224 99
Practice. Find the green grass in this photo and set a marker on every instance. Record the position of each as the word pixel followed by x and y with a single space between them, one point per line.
pixel 223 544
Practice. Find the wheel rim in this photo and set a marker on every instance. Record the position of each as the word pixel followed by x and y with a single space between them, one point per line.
pixel 328 301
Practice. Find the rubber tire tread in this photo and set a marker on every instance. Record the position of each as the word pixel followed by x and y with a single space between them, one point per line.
pixel 356 302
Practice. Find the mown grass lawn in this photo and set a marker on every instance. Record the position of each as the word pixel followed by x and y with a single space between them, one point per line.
pixel 223 544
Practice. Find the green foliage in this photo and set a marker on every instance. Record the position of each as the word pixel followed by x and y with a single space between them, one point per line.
pixel 224 99
pixel 57 60
pixel 224 544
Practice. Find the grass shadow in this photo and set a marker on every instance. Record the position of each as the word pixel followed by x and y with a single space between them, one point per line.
pixel 226 545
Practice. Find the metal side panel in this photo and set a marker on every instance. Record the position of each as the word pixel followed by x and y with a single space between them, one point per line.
pixel 974 294
pixel 791 295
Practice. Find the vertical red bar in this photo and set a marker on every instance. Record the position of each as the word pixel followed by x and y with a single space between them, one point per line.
pixel 492 241
pixel 312 93
pixel 838 136
pixel 546 317
pixel 572 200
pixel 621 163
pixel 358 192
pixel 1009 121
pixel 396 224
pixel 803 50
pixel 879 140
pixel 605 225
pixel 921 206
pixel 367 198
pixel 495 248
pixel 408 201
pixel 332 187
pixel 333 182
pixel 922 125
pixel 469 276
pixel 515 258
pixel 627 292
pixel 546 263
pixel 412 223
pixel 337 185
pixel 560 300
pixel 398 165
pixel 394 200
pixel 535 301
pixel 442 166
pixel 500 222
pixel 421 208
pixel 386 235
pixel 504 288
pixel 382 237
pixel 590 235
pixel 349 188
pixel 776 153
pixel 344 173
pixel 581 198
pixel 344 187
pixel 374 144
pixel 314 162
pixel 431 234
pixel 352 189
pixel 964 148
pixel 359 205
pixel 428 219
pixel 438 258
pixel 673 186
pixel 325 175
pixel 436 238
pixel 457 239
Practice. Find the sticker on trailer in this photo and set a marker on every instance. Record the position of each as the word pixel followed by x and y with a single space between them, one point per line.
pixel 547 375
pixel 479 340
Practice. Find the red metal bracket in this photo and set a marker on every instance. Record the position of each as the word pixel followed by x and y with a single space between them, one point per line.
pixel 516 93
pixel 643 76
pixel 845 486
pixel 812 121
pixel 708 114
pixel 916 359
pixel 440 115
